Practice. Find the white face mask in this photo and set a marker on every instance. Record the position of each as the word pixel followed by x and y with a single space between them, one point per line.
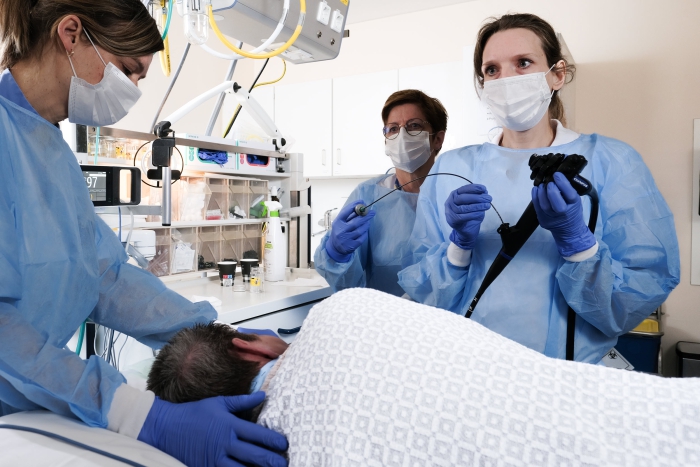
pixel 407 152
pixel 104 103
pixel 518 102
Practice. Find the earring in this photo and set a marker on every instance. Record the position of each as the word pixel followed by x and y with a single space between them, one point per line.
pixel 70 54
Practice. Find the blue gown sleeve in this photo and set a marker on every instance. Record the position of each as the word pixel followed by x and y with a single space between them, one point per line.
pixel 344 275
pixel 638 262
pixel 137 303
pixel 431 279
pixel 39 374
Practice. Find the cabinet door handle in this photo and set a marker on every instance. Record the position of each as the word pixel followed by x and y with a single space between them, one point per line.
pixel 337 157
pixel 323 157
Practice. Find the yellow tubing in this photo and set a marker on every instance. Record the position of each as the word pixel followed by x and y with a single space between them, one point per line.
pixel 274 53
pixel 164 54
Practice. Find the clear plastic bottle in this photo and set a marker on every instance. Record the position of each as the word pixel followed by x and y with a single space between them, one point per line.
pixel 194 15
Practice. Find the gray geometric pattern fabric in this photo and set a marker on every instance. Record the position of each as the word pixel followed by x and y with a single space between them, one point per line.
pixel 375 380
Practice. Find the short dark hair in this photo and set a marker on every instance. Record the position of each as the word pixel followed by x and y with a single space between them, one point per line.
pixel 201 362
pixel 550 45
pixel 433 109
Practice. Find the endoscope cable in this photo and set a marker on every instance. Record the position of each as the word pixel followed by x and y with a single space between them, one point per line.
pixel 363 209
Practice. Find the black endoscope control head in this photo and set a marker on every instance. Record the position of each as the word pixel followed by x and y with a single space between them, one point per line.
pixel 543 169
pixel 361 210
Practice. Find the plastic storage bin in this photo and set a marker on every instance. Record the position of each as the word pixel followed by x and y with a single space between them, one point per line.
pixel 258 193
pixel 184 250
pixel 217 208
pixel 209 247
pixel 238 199
pixel 232 242
pixel 688 359
pixel 160 264
pixel 191 199
pixel 251 246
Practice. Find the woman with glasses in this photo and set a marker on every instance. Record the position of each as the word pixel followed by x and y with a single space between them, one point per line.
pixel 611 280
pixel 369 251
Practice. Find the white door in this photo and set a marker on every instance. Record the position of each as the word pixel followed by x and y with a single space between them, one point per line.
pixel 303 111
pixel 449 83
pixel 358 143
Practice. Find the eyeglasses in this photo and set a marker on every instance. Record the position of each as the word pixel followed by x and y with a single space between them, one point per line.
pixel 414 127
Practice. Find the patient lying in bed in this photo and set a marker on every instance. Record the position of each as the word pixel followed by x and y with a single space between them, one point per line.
pixel 375 380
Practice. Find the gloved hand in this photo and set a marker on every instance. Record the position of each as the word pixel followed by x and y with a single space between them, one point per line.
pixel 464 210
pixel 206 433
pixel 348 232
pixel 559 210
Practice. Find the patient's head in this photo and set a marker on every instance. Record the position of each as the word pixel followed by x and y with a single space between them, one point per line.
pixel 210 360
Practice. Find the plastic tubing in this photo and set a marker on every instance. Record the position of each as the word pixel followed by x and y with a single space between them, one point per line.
pixel 167 22
pixel 81 336
pixel 270 40
pixel 297 31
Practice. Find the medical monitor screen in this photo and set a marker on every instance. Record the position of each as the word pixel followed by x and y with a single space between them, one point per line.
pixel 97 185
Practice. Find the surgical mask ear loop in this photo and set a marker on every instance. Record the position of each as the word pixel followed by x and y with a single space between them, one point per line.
pixel 98 52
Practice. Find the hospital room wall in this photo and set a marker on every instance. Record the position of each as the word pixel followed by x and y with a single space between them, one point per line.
pixel 637 80
pixel 200 73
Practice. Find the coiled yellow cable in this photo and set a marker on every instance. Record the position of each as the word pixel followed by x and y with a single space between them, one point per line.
pixel 164 54
pixel 222 38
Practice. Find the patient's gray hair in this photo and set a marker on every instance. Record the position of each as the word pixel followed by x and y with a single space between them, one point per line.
pixel 201 362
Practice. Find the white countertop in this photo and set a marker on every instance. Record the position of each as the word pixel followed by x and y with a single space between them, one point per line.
pixel 240 306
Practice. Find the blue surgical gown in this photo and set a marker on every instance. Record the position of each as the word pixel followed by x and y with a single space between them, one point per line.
pixel 377 262
pixel 636 266
pixel 60 264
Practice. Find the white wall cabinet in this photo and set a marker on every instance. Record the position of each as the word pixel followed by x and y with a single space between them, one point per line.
pixel 304 111
pixel 450 83
pixel 358 143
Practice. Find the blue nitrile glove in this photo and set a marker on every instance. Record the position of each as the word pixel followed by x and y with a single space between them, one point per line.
pixel 206 433
pixel 464 210
pixel 559 210
pixel 348 232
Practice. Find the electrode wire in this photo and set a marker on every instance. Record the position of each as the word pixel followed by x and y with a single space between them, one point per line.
pixel 426 176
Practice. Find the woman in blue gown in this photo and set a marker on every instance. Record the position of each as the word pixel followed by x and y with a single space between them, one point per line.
pixel 612 280
pixel 369 251
pixel 60 264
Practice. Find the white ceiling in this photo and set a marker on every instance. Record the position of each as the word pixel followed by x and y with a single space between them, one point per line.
pixel 366 10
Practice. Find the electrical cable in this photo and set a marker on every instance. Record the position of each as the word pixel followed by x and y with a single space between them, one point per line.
pixel 426 176
pixel 270 40
pixel 170 87
pixel 182 160
pixel 222 38
pixel 253 86
pixel 48 434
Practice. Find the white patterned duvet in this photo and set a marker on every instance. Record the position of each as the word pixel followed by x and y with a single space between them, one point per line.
pixel 375 380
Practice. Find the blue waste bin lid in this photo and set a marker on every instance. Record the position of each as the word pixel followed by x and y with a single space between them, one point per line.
pixel 688 350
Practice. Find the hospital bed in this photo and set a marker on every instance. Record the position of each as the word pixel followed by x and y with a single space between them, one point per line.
pixel 38 447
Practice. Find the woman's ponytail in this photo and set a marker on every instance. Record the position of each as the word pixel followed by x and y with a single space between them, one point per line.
pixel 15 30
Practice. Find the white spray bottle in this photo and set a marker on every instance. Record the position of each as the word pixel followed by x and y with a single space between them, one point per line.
pixel 275 258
